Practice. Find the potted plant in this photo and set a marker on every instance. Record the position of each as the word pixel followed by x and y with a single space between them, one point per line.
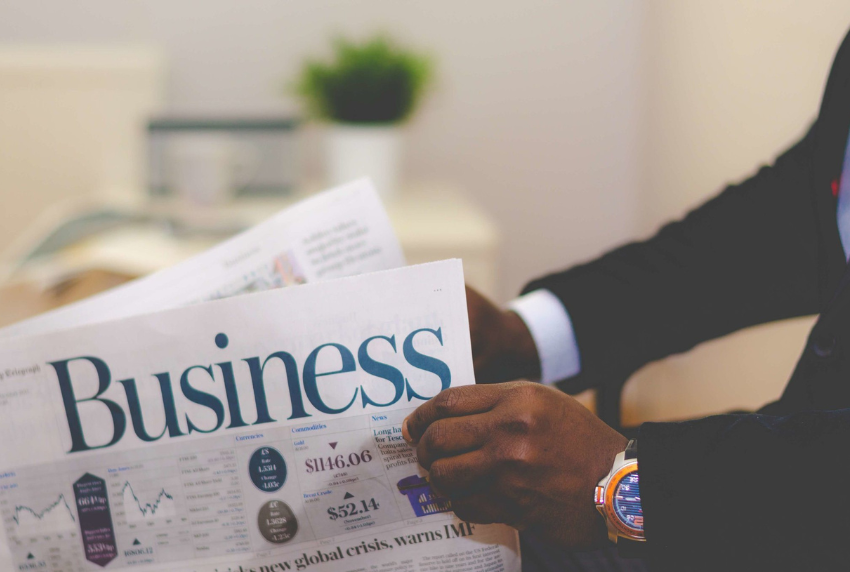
pixel 367 90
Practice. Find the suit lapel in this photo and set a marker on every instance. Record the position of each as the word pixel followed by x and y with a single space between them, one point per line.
pixel 831 136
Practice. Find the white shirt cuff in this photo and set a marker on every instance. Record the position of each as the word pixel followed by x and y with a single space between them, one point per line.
pixel 552 330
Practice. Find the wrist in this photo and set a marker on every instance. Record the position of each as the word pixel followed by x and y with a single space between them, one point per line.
pixel 518 348
pixel 552 338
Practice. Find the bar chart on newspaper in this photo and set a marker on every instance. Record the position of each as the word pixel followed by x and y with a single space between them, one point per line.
pixel 344 476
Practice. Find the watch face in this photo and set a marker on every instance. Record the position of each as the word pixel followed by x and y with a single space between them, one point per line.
pixel 627 502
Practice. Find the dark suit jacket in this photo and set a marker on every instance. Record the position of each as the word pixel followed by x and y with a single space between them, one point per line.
pixel 750 492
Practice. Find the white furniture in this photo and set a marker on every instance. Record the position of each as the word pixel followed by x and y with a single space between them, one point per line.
pixel 434 222
pixel 72 124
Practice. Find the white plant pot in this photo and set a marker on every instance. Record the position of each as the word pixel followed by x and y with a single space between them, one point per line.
pixel 365 151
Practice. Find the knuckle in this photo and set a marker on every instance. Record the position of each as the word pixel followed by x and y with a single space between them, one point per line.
pixel 525 390
pixel 517 454
pixel 446 402
pixel 435 436
pixel 522 454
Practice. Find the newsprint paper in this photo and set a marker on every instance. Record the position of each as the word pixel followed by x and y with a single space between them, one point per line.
pixel 342 232
pixel 253 433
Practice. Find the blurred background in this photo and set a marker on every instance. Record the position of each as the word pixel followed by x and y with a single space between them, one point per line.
pixel 550 132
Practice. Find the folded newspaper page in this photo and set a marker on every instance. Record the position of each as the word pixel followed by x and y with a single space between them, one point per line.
pixel 255 433
pixel 341 232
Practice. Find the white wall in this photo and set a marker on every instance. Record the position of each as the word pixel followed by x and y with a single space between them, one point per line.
pixel 535 111
pixel 730 85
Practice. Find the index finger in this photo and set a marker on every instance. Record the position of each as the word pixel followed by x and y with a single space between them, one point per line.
pixel 452 402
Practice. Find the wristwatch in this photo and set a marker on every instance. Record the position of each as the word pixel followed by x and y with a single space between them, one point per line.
pixel 617 499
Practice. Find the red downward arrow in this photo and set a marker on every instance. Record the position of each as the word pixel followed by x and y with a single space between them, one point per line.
pixel 333 445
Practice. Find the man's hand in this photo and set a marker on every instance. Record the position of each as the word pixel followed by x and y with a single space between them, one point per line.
pixel 502 346
pixel 517 453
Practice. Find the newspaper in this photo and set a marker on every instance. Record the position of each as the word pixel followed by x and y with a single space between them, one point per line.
pixel 342 232
pixel 256 433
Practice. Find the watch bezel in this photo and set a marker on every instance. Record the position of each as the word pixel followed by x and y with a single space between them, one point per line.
pixel 612 517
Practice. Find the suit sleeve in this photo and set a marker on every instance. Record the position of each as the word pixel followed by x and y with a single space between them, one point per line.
pixel 747 492
pixel 746 257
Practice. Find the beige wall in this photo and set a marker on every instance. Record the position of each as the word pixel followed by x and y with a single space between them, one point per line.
pixel 730 84
pixel 72 124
